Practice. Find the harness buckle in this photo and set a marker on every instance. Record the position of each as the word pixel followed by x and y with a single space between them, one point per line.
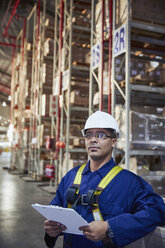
pixel 72 196
pixel 83 200
pixel 91 197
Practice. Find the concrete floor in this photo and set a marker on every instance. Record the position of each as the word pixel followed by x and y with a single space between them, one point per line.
pixel 20 225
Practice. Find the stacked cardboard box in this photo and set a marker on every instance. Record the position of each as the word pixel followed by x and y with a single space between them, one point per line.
pixel 75 159
pixel 138 67
pixel 81 16
pixel 143 10
pixel 49 21
pixel 154 76
pixel 76 139
pixel 75 130
pixel 82 20
pixel 48 47
pixel 48 73
pixel 45 111
pixel 78 98
pixel 43 131
pixel 49 33
pixel 147 130
pixel 79 54
pixel 47 69
pixel 78 142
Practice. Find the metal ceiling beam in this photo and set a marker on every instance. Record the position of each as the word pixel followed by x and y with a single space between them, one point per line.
pixel 5 89
pixel 11 17
pixel 5 73
pixel 8 44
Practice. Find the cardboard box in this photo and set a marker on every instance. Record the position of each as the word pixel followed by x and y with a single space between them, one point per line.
pixel 147 11
pixel 77 98
pixel 49 21
pixel 48 47
pixel 43 131
pixel 49 33
pixel 48 73
pixel 79 53
pixel 75 130
pixel 45 105
pixel 79 142
pixel 146 130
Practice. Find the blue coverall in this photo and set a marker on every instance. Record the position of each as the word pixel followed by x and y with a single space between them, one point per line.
pixel 128 203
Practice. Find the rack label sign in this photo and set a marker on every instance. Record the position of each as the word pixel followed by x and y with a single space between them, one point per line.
pixel 119 40
pixel 96 55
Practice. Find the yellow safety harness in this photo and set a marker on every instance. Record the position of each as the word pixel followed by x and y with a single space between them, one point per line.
pixel 91 198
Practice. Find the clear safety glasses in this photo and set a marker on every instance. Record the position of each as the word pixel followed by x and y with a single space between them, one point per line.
pixel 98 135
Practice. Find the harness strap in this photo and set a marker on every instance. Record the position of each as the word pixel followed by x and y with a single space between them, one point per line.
pixel 108 178
pixel 102 185
pixel 94 194
pixel 77 180
pixel 73 192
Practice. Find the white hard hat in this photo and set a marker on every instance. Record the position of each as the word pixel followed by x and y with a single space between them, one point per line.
pixel 101 119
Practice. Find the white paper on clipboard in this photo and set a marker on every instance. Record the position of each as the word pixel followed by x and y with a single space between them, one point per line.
pixel 66 216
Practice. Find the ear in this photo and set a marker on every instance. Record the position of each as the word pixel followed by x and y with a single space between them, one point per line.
pixel 114 142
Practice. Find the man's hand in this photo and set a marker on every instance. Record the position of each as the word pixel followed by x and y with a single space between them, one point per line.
pixel 96 231
pixel 53 228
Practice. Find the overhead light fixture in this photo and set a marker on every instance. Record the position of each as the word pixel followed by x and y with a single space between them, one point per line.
pixel 4 104
pixel 9 98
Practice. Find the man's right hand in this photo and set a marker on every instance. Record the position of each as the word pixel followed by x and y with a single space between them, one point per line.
pixel 53 228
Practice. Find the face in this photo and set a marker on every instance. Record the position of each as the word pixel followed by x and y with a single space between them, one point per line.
pixel 99 149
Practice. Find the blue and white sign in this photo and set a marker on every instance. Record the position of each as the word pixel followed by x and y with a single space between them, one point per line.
pixel 96 55
pixel 119 40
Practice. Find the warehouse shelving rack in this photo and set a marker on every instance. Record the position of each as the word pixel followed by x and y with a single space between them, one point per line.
pixel 37 149
pixel 30 84
pixel 138 33
pixel 34 154
pixel 73 35
pixel 21 97
pixel 18 103
pixel 122 92
pixel 66 72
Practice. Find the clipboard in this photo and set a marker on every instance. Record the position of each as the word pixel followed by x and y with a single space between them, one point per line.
pixel 66 216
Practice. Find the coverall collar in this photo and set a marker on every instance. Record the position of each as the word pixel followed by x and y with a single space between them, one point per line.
pixel 103 170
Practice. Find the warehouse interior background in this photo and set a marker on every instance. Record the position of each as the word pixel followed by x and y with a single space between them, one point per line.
pixel 62 60
pixel 55 71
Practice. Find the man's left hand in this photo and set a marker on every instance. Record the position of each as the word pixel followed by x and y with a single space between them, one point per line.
pixel 96 231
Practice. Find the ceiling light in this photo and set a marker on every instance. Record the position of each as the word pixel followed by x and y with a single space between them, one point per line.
pixel 9 98
pixel 4 104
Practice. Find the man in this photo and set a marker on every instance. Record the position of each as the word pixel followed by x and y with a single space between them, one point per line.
pixel 119 206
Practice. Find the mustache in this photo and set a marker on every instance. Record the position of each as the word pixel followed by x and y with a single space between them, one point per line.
pixel 93 147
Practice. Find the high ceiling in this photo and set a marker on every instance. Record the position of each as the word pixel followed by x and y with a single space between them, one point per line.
pixel 12 14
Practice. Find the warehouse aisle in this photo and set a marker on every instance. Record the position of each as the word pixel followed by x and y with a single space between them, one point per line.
pixel 20 225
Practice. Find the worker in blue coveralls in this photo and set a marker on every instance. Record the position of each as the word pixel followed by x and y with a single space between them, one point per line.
pixel 119 206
